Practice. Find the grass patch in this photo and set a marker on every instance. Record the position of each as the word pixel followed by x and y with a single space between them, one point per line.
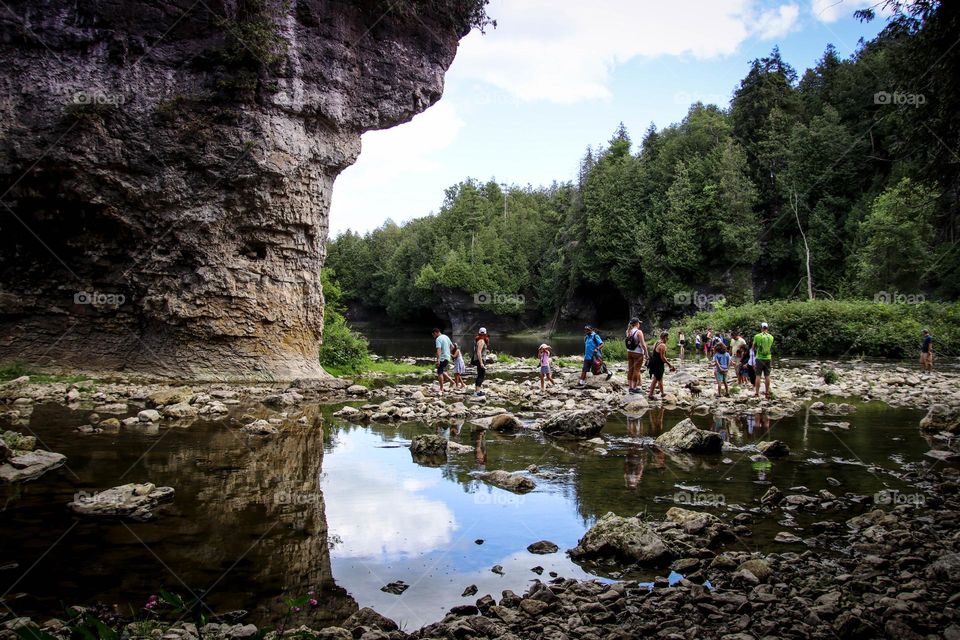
pixel 506 359
pixel 13 370
pixel 385 367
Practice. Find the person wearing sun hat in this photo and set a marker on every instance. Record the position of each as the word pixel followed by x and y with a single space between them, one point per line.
pixel 544 352
pixel 763 346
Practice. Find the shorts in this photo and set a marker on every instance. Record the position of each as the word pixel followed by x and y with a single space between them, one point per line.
pixel 442 367
pixel 545 370
pixel 682 343
pixel 587 365
pixel 762 367
pixel 720 375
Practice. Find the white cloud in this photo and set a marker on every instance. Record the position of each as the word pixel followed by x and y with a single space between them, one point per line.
pixel 833 10
pixel 776 23
pixel 564 51
pixel 390 162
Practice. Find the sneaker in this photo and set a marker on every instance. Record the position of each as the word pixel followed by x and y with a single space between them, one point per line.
pixel 609 375
pixel 580 383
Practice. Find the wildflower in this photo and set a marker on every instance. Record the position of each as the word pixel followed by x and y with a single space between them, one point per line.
pixel 313 602
pixel 296 608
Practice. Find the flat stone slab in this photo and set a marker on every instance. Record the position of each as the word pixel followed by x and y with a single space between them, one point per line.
pixel 29 465
pixel 135 501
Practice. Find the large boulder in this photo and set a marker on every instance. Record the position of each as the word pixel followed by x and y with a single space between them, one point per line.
pixel 515 482
pixel 169 396
pixel 941 417
pixel 575 424
pixel 624 539
pixel 135 501
pixel 28 465
pixel 686 437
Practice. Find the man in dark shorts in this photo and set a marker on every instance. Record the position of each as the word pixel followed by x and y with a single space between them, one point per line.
pixel 926 352
pixel 763 347
pixel 592 344
pixel 442 344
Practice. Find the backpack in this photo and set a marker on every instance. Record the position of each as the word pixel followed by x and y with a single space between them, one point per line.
pixel 632 341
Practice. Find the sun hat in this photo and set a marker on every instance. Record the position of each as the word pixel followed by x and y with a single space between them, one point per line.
pixel 544 346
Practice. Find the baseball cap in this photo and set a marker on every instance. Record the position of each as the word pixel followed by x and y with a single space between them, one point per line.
pixel 764 325
pixel 483 329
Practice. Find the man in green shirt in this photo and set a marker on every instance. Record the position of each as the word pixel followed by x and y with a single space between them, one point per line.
pixel 763 345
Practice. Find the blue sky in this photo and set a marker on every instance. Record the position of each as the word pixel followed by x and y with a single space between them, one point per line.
pixel 523 101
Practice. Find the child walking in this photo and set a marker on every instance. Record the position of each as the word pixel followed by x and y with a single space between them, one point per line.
pixel 459 368
pixel 721 363
pixel 543 354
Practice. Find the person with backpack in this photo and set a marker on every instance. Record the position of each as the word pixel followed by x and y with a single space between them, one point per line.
pixel 636 353
pixel 592 355
pixel 658 361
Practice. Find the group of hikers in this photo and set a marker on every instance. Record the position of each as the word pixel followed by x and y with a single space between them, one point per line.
pixel 751 361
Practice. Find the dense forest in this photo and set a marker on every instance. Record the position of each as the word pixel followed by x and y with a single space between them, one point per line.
pixel 848 172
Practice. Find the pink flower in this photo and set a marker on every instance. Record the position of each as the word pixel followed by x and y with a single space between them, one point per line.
pixel 313 602
pixel 296 608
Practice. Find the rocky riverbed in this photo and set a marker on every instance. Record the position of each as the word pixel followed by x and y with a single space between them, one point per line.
pixel 862 564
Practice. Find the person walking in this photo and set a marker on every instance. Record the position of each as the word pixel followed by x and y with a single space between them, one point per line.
pixel 543 355
pixel 592 346
pixel 481 344
pixel 682 344
pixel 926 352
pixel 721 365
pixel 697 344
pixel 658 361
pixel 763 349
pixel 636 353
pixel 442 344
pixel 459 368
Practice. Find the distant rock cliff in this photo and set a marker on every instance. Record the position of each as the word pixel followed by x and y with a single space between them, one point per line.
pixel 166 169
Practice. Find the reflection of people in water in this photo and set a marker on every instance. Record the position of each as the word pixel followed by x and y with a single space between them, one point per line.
pixel 656 421
pixel 634 427
pixel 633 466
pixel 480 443
pixel 455 430
pixel 720 426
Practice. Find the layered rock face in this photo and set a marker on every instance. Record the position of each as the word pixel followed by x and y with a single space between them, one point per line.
pixel 166 169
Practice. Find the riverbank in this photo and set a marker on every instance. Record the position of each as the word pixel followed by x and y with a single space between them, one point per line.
pixel 845 570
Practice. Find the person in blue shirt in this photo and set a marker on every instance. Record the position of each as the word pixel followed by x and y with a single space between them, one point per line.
pixel 592 345
pixel 442 344
pixel 721 364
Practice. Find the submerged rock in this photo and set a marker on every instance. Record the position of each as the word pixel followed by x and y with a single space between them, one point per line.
pixel 774 449
pixel 505 422
pixel 941 417
pixel 135 501
pixel 687 438
pixel 428 445
pixel 543 547
pixel 515 482
pixel 260 428
pixel 575 424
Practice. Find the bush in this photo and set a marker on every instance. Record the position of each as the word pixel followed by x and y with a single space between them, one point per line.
pixel 830 328
pixel 829 376
pixel 343 350
pixel 614 349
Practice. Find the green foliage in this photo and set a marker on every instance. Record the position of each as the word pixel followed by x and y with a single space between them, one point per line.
pixel 614 350
pixel 830 376
pixel 720 202
pixel 828 328
pixel 18 368
pixel 343 350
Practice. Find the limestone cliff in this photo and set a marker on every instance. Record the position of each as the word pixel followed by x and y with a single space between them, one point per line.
pixel 166 168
